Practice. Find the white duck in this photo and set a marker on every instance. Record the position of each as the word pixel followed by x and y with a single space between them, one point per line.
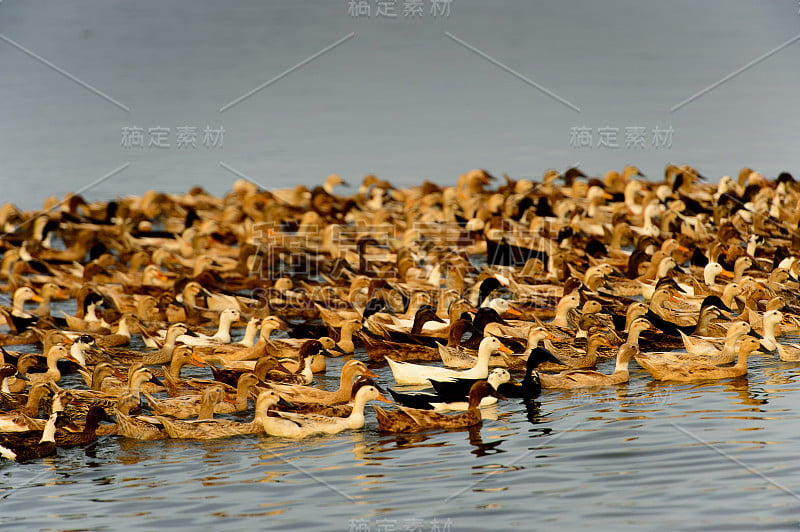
pixel 416 374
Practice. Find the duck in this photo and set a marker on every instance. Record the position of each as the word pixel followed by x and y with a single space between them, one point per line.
pixel 457 389
pixel 162 356
pixel 19 409
pixel 136 427
pixel 710 349
pixel 306 394
pixel 223 428
pixel 450 403
pixel 409 420
pixel 88 434
pixel 575 357
pixel 667 370
pixel 223 335
pixel 56 353
pixel 580 378
pixel 18 319
pixel 46 446
pixel 308 424
pixel 405 373
pixel 187 406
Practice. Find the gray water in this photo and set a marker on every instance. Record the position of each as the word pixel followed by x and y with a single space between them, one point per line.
pixel 412 100
pixel 400 98
pixel 645 455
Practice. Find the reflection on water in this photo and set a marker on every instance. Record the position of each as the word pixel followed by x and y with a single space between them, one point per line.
pixel 658 454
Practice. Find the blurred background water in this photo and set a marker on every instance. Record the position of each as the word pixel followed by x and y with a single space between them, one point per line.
pixel 404 98
pixel 412 99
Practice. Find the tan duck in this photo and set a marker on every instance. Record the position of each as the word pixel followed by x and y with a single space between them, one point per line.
pixel 578 378
pixel 14 384
pixel 711 350
pixel 210 397
pixel 187 406
pixel 415 420
pixel 308 424
pixel 666 370
pixel 575 357
pixel 306 394
pixel 222 428
pixel 162 356
pixel 136 427
pixel 56 353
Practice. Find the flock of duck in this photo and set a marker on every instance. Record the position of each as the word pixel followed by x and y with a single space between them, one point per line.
pixel 455 288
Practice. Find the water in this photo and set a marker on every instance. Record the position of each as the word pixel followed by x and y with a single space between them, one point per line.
pixel 405 101
pixel 716 455
pixel 400 98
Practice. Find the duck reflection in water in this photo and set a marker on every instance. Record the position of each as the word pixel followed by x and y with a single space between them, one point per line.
pixel 482 448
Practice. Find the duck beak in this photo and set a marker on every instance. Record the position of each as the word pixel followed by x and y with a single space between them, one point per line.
pixel 229 401
pixel 62 295
pixel 338 349
pixel 37 298
pixel 370 373
pixel 22 377
pixel 190 332
pixel 197 361
pixel 682 249
pixel 472 310
pixel 382 398
pixel 284 402
pixel 155 380
pixel 555 360
pixel 512 312
pixel 118 374
pixel 500 396
pixel 726 273
pixel 504 349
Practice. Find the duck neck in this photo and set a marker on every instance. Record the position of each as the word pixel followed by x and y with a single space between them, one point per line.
pixel 249 335
pixel 49 432
pixel 76 352
pixel 306 372
pixel 533 343
pixel 769 332
pixel 702 323
pixel 741 359
pixel 135 386
pixel 175 366
pixel 124 329
pixel 97 380
pixel 206 410
pixel 18 305
pixel 224 331
pixel 562 310
pixel 621 365
pixel 34 398
pixel 346 340
pixel 345 385
pixel 356 416
pixel 730 342
pixel 52 367
pixel 242 392
pixel 633 335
